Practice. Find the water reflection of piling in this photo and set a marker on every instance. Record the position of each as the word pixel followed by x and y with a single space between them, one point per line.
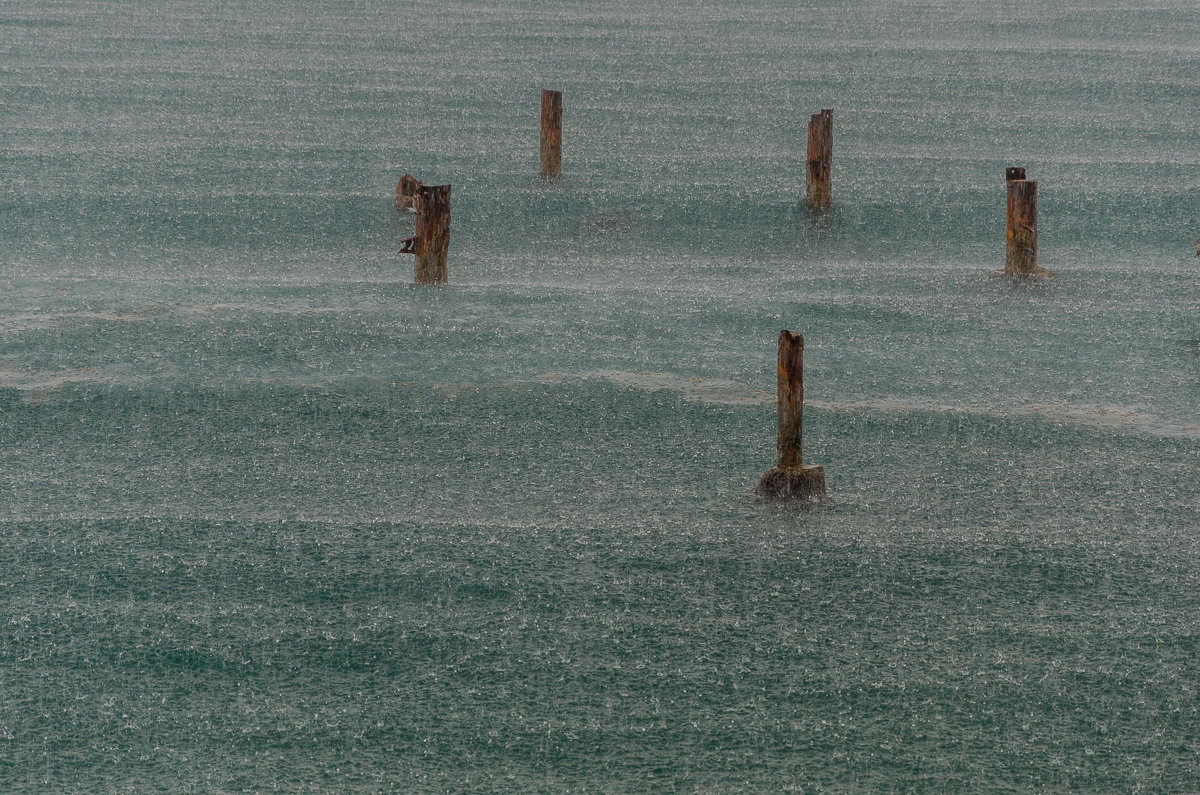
pixel 432 239
pixel 819 168
pixel 1020 256
pixel 791 479
pixel 551 133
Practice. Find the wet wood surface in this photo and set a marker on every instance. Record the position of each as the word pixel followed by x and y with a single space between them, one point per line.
pixel 790 399
pixel 551 133
pixel 1020 256
pixel 819 167
pixel 432 239
pixel 791 479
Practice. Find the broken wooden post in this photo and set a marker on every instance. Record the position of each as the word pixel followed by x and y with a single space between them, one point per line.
pixel 407 190
pixel 818 173
pixel 791 479
pixel 1020 256
pixel 432 239
pixel 551 133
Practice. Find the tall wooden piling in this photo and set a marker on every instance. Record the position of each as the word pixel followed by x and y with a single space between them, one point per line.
pixel 1021 249
pixel 551 133
pixel 819 168
pixel 432 239
pixel 790 479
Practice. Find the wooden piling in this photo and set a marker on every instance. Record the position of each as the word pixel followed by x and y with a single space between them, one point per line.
pixel 551 133
pixel 1020 257
pixel 819 169
pixel 790 479
pixel 433 234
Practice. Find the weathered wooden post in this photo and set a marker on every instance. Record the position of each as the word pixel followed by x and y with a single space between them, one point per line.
pixel 1020 256
pixel 819 169
pixel 791 479
pixel 551 133
pixel 432 239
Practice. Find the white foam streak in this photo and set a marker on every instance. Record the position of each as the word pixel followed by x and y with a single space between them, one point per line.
pixel 721 391
pixel 41 321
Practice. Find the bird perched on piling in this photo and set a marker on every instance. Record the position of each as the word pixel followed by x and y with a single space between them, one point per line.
pixel 407 192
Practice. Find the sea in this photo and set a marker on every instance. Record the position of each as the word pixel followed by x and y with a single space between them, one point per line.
pixel 274 517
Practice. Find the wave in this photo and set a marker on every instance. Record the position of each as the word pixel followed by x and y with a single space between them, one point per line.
pixel 710 390
pixel 37 386
pixel 41 321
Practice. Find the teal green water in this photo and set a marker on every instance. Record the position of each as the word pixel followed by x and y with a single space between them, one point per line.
pixel 274 517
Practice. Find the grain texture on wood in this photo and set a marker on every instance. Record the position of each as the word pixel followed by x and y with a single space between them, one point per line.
pixel 791 479
pixel 1020 256
pixel 551 133
pixel 819 168
pixel 432 239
